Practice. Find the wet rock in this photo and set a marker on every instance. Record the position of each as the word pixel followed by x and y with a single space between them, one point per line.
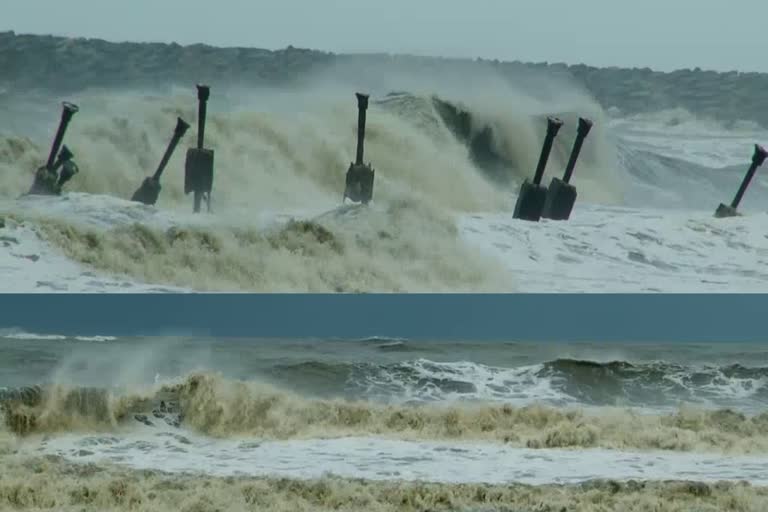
pixel 143 419
pixel 170 412
pixel 174 421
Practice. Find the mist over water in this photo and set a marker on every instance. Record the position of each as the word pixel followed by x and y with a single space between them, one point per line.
pixel 284 152
pixel 305 419
pixel 450 145
pixel 287 149
pixel 200 424
pixel 372 382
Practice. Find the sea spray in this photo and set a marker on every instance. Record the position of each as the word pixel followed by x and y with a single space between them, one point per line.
pixel 400 246
pixel 279 151
pixel 295 151
pixel 215 406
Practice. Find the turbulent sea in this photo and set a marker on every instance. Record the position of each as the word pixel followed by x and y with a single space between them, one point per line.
pixel 384 424
pixel 379 424
pixel 450 153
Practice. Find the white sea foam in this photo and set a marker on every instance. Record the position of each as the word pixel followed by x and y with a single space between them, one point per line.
pixel 381 459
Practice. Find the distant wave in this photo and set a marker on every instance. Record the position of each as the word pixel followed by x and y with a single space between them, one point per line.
pixel 95 338
pixel 19 334
pixel 559 382
pixel 384 342
pixel 380 339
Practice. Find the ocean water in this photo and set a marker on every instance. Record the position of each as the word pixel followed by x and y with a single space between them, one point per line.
pixel 193 424
pixel 448 162
pixel 388 411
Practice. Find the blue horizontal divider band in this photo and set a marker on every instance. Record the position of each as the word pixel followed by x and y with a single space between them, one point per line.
pixel 524 317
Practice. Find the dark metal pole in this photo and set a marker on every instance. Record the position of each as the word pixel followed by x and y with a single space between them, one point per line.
pixel 553 126
pixel 584 126
pixel 68 111
pixel 757 160
pixel 64 155
pixel 181 128
pixel 203 93
pixel 362 106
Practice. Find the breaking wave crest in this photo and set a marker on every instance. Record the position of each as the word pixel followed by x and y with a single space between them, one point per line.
pixel 657 385
pixel 219 407
pixel 436 154
pixel 431 163
pixel 403 246
pixel 276 149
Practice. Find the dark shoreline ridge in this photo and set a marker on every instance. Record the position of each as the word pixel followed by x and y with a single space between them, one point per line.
pixel 65 65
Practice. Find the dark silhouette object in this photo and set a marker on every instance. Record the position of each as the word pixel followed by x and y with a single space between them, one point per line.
pixel 359 182
pixel 198 168
pixel 150 188
pixel 67 165
pixel 47 180
pixel 758 157
pixel 561 195
pixel 530 202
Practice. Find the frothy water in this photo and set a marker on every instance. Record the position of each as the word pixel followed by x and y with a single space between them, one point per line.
pixel 381 459
pixel 383 411
pixel 449 163
pixel 627 250
pixel 201 424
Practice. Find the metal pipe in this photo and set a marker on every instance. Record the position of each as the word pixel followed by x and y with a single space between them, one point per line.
pixel 203 93
pixel 181 128
pixel 553 126
pixel 69 110
pixel 584 126
pixel 362 106
pixel 64 155
pixel 757 160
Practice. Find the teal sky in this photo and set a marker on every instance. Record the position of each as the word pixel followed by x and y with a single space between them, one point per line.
pixel 661 34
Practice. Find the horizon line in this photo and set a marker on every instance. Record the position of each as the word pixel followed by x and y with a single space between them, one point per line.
pixel 695 69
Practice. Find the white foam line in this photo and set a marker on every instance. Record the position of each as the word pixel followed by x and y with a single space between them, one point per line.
pixel 601 249
pixel 29 264
pixel 381 459
pixel 604 249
